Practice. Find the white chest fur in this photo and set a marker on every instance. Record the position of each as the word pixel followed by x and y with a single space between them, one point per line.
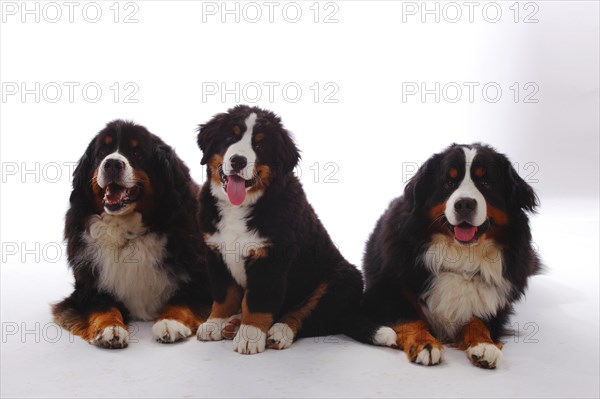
pixel 127 261
pixel 467 282
pixel 234 240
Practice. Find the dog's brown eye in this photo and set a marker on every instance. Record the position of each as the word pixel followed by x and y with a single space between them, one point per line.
pixel 137 153
pixel 485 183
pixel 450 183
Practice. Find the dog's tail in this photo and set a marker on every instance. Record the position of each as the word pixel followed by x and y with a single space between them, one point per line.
pixel 68 315
pixel 69 318
pixel 360 328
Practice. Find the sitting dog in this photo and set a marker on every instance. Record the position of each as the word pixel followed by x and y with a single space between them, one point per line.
pixel 449 258
pixel 270 257
pixel 133 241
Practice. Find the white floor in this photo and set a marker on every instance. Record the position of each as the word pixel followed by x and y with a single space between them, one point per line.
pixel 555 355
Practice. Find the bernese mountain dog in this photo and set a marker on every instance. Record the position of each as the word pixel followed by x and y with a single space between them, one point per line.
pixel 133 241
pixel 449 258
pixel 275 273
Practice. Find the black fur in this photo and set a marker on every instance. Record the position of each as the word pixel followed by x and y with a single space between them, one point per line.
pixel 169 210
pixel 301 255
pixel 396 277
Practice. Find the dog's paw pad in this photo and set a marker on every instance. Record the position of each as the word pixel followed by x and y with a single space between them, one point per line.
pixel 168 331
pixel 232 325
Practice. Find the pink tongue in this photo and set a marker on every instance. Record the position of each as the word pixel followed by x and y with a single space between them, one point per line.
pixel 236 189
pixel 114 193
pixel 465 233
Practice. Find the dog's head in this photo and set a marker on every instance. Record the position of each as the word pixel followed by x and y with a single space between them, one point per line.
pixel 246 149
pixel 126 168
pixel 468 191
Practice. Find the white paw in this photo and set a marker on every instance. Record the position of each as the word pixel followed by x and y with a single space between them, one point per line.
pixel 168 331
pixel 430 356
pixel 484 355
pixel 211 330
pixel 280 336
pixel 249 340
pixel 112 337
pixel 385 336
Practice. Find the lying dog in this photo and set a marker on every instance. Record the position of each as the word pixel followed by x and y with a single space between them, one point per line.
pixel 448 259
pixel 132 241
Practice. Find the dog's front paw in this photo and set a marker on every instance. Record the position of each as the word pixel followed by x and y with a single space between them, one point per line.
pixel 111 337
pixel 419 345
pixel 168 331
pixel 232 325
pixel 385 336
pixel 430 355
pixel 211 330
pixel 280 336
pixel 428 351
pixel 484 355
pixel 249 340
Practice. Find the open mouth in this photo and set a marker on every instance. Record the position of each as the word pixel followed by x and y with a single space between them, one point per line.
pixel 235 186
pixel 115 197
pixel 466 233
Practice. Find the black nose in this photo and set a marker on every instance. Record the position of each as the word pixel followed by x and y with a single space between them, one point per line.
pixel 238 162
pixel 465 206
pixel 113 165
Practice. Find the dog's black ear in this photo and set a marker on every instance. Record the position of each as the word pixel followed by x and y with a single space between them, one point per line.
pixel 207 135
pixel 174 176
pixel 82 175
pixel 421 184
pixel 81 201
pixel 288 154
pixel 519 192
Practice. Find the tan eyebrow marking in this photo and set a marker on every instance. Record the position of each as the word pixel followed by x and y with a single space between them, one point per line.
pixel 479 171
pixel 134 142
pixel 453 173
pixel 108 139
pixel 259 137
pixel 236 130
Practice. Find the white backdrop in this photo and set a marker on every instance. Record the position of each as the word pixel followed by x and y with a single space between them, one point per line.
pixel 369 89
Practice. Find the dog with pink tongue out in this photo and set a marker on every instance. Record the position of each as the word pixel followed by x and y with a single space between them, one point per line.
pixel 275 273
pixel 448 259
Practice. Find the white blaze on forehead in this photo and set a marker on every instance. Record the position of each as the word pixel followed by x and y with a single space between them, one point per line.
pixel 243 148
pixel 126 178
pixel 467 189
